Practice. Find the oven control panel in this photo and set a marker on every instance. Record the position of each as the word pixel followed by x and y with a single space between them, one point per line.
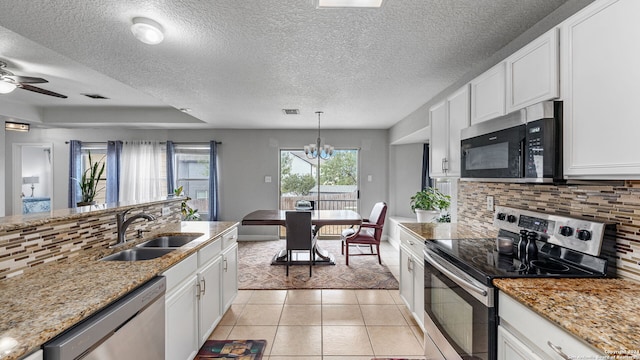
pixel 583 235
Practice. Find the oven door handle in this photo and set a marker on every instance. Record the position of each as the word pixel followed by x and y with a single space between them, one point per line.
pixel 455 277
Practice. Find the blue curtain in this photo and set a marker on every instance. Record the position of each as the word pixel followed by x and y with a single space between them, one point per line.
pixel 214 201
pixel 426 179
pixel 114 149
pixel 75 172
pixel 171 181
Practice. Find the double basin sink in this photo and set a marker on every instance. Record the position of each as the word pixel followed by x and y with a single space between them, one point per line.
pixel 153 248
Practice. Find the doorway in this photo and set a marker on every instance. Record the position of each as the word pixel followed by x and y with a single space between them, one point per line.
pixel 32 178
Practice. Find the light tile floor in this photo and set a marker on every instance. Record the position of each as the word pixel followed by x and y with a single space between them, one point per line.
pixel 326 324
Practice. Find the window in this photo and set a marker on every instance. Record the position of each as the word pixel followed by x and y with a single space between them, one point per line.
pixel 338 188
pixel 98 153
pixel 191 171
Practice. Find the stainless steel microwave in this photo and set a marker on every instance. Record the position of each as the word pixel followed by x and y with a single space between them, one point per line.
pixel 524 146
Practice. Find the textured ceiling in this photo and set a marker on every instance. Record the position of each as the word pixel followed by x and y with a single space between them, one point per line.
pixel 238 63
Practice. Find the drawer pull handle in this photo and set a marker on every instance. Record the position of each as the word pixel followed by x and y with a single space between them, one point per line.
pixel 558 350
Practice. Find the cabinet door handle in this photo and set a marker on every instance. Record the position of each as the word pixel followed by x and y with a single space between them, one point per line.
pixel 225 264
pixel 409 261
pixel 198 290
pixel 445 165
pixel 558 351
pixel 203 288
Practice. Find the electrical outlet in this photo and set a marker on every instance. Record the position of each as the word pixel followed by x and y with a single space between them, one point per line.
pixel 166 211
pixel 490 203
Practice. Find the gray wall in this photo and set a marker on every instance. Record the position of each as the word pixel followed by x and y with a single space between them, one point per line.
pixel 246 157
pixel 2 171
pixel 405 177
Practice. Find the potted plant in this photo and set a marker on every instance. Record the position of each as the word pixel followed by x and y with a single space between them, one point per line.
pixel 89 182
pixel 428 203
pixel 188 213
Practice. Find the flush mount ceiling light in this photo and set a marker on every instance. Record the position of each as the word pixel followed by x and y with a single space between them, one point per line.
pixel 349 3
pixel 148 31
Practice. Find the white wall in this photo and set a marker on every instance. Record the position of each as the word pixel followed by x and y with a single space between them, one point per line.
pixel 246 156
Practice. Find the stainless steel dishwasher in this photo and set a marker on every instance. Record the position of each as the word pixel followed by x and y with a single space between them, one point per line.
pixel 130 328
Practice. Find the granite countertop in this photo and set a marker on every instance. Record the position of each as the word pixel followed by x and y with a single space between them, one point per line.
pixel 48 299
pixel 444 231
pixel 603 312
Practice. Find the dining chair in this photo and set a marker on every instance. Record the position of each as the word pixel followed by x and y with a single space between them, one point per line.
pixel 299 235
pixel 368 233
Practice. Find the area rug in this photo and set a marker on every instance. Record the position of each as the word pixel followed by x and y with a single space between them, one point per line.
pixel 232 349
pixel 255 271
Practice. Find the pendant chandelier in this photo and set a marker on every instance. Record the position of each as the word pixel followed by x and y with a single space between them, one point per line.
pixel 317 150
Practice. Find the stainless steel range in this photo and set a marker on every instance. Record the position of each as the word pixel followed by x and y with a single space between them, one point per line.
pixel 460 300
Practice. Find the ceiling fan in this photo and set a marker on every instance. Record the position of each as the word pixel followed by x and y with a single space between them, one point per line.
pixel 9 81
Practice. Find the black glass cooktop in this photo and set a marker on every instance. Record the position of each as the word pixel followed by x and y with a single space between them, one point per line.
pixel 481 259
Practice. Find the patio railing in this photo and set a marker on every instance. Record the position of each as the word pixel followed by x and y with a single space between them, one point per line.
pixel 327 202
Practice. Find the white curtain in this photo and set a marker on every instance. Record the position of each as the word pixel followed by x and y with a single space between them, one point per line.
pixel 141 176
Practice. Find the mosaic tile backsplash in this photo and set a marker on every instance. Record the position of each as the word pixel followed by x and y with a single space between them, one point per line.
pixel 66 237
pixel 615 204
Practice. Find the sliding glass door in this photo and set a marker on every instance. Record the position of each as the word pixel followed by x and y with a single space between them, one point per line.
pixel 338 187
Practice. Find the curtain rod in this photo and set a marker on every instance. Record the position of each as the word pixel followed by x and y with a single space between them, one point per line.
pixel 164 142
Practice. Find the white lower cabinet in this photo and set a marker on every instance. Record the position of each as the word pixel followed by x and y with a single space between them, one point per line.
pixel 38 355
pixel 181 321
pixel 510 348
pixel 200 289
pixel 209 299
pixel 412 275
pixel 523 334
pixel 229 275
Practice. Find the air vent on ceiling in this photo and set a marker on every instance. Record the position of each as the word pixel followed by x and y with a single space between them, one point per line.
pixel 291 111
pixel 95 96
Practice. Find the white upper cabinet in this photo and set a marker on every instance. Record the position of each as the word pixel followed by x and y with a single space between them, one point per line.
pixel 447 119
pixel 488 94
pixel 439 141
pixel 533 72
pixel 458 113
pixel 600 54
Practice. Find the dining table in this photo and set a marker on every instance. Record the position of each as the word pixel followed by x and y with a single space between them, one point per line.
pixel 319 218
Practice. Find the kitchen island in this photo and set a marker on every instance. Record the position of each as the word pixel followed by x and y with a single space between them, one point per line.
pixel 48 299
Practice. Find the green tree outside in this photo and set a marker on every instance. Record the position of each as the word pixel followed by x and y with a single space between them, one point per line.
pixel 341 169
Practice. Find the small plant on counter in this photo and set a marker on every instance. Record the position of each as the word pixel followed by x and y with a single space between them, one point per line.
pixel 89 181
pixel 430 199
pixel 188 213
pixel 428 203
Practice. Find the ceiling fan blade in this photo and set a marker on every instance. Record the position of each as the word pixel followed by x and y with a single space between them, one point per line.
pixel 28 79
pixel 41 91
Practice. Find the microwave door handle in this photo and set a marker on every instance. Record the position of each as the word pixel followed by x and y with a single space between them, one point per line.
pixel 459 280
